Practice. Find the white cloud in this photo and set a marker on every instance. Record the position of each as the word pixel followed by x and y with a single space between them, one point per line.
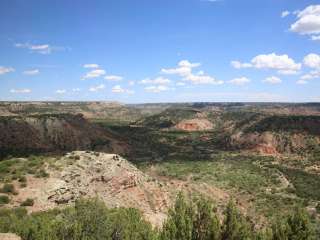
pixel 285 13
pixel 238 65
pixel 273 61
pixel 61 91
pixel 312 60
pixel 113 78
pixel 282 63
pixel 97 88
pixel 94 74
pixel 42 49
pixel 272 80
pixel 119 89
pixel 184 70
pixel 76 89
pixel 202 79
pixel 239 96
pixel 25 90
pixel 288 72
pixel 315 38
pixel 31 72
pixel 4 70
pixel 309 76
pixel 301 81
pixel 180 84
pixel 91 65
pixel 156 89
pixel 308 21
pixel 131 83
pixel 240 81
pixel 158 80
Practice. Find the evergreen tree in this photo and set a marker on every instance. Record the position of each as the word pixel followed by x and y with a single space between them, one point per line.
pixel 180 220
pixel 299 225
pixel 235 226
pixel 206 224
pixel 295 227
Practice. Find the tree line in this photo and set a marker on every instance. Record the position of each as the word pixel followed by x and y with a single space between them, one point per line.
pixel 187 220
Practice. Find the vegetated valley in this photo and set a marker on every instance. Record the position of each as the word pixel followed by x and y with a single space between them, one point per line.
pixel 99 170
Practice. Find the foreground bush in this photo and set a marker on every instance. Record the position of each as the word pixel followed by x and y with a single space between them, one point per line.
pixel 197 220
pixel 187 220
pixel 87 220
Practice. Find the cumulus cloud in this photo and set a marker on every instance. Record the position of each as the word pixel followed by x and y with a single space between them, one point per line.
pixel 315 38
pixel 180 84
pixel 131 83
pixel 76 89
pixel 97 88
pixel 158 80
pixel 272 80
pixel 202 79
pixel 285 14
pixel 184 70
pixel 156 89
pixel 4 70
pixel 94 74
pixel 91 65
pixel 61 91
pixel 308 21
pixel 240 81
pixel 238 65
pixel 282 63
pixel 113 78
pixel 273 61
pixel 24 90
pixel 41 48
pixel 312 60
pixel 309 76
pixel 301 81
pixel 31 72
pixel 119 89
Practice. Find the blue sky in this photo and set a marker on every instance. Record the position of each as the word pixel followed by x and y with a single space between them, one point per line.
pixel 137 51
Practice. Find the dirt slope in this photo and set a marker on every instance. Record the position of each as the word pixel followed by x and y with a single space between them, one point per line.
pixel 196 124
pixel 90 174
pixel 54 133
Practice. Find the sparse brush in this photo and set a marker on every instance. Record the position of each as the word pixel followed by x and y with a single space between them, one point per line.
pixel 4 200
pixel 8 188
pixel 22 179
pixel 27 203
pixel 42 174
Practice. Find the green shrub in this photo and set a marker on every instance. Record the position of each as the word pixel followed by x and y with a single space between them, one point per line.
pixel 22 179
pixel 187 220
pixel 4 199
pixel 27 202
pixel 318 208
pixel 42 174
pixel 87 220
pixel 8 188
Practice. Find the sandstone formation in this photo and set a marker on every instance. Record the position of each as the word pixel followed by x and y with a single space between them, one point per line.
pixel 108 177
pixel 54 133
pixel 196 124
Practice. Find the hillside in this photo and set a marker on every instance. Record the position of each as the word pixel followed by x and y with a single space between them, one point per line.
pixel 82 174
pixel 53 133
pixel 265 157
